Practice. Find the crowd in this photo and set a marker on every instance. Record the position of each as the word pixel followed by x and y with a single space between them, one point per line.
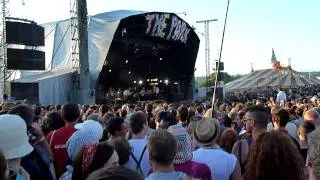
pixel 252 140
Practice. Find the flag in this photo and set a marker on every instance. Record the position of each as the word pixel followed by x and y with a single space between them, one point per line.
pixel 273 58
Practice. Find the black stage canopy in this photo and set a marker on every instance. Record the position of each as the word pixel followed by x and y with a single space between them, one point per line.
pixel 153 46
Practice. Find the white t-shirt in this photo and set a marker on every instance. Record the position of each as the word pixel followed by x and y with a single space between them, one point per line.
pixel 281 97
pixel 221 163
pixel 137 146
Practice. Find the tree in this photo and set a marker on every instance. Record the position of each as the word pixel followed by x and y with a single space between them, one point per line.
pixel 211 79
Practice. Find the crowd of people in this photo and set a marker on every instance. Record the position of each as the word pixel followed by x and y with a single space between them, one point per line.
pixel 252 140
pixel 134 94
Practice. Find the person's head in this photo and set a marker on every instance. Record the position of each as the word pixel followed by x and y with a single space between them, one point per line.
pixel 304 129
pixel 117 173
pixel 312 116
pixel 95 117
pixel 25 112
pixel 182 114
pixel 103 110
pixel 167 122
pixel 148 107
pixel 5 97
pixel 38 111
pixel 87 114
pixel 299 112
pixel 123 149
pixel 280 118
pixel 207 132
pixel 165 106
pixel 131 108
pixel 92 157
pixel 53 121
pixel 273 155
pixel 184 150
pixel 162 148
pixel 138 123
pixel 313 159
pixel 227 139
pixel 160 117
pixel 200 109
pixel 70 112
pixel 3 167
pixel 14 141
pixel 256 119
pixel 116 127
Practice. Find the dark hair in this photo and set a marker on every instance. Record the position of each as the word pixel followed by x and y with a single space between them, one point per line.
pixel 262 114
pixel 227 139
pixel 53 121
pixel 24 111
pixel 123 148
pixel 274 156
pixel 5 96
pixel 299 112
pixel 3 166
pixel 200 108
pixel 104 108
pixel 103 154
pixel 183 113
pixel 283 116
pixel 171 120
pixel 162 147
pixel 131 106
pixel 58 107
pixel 38 110
pixel 149 107
pixel 70 112
pixel 137 122
pixel 114 125
pixel 118 173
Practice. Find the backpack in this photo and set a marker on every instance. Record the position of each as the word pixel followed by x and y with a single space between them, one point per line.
pixel 138 162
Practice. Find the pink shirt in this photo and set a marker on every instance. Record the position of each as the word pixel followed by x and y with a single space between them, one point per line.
pixel 193 169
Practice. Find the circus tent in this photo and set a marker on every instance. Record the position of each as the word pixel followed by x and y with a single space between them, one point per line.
pixel 285 78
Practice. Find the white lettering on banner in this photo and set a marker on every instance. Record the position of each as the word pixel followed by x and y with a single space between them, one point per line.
pixel 167 26
pixel 149 18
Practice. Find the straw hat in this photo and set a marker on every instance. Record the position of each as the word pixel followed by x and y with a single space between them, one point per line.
pixel 207 131
pixel 14 141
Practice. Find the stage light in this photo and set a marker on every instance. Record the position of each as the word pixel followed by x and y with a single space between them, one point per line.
pixel 127 61
pixel 176 83
pixel 109 70
pixel 160 59
pixel 166 81
pixel 161 81
pixel 135 82
pixel 129 72
pixel 140 82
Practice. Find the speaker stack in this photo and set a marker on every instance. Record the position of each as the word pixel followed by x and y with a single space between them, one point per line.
pixel 23 38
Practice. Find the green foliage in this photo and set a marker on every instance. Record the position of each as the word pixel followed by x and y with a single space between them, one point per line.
pixel 211 79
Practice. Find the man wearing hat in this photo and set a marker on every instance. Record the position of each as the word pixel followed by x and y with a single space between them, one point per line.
pixel 14 145
pixel 223 166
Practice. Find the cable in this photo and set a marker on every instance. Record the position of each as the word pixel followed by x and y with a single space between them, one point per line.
pixel 64 35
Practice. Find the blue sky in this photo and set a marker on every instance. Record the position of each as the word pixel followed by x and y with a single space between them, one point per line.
pixel 291 27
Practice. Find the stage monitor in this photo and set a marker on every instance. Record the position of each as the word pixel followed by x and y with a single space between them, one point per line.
pixel 24 59
pixel 29 34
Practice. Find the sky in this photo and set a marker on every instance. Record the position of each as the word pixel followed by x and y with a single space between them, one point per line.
pixel 254 27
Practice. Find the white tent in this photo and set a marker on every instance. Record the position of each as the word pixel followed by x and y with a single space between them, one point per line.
pixel 55 84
